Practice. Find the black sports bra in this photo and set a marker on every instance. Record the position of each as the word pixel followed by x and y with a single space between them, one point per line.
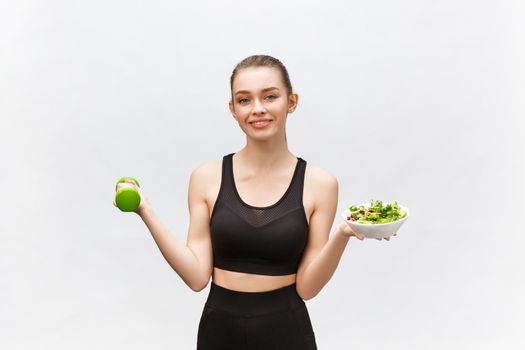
pixel 262 240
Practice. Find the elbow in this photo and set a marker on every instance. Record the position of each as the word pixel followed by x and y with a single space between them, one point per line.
pixel 194 287
pixel 305 295
pixel 197 287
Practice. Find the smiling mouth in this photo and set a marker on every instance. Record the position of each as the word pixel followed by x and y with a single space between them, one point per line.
pixel 260 123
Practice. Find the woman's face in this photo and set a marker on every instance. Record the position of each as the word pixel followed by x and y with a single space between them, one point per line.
pixel 260 102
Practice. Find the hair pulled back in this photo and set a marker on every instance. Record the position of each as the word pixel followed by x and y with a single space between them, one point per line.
pixel 262 61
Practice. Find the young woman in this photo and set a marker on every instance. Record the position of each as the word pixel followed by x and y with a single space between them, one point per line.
pixel 259 225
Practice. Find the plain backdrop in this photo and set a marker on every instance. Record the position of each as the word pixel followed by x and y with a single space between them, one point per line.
pixel 416 101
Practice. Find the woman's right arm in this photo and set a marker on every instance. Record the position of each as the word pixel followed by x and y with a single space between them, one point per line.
pixel 192 261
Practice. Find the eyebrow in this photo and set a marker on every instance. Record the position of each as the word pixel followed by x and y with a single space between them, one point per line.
pixel 263 90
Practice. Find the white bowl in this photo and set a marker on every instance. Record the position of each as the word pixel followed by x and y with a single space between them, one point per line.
pixel 375 230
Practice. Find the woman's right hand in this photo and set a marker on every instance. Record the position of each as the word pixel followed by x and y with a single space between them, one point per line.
pixel 144 202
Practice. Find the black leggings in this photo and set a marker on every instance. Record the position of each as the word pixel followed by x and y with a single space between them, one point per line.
pixel 276 319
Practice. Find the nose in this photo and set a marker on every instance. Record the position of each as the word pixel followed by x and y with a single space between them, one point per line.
pixel 258 107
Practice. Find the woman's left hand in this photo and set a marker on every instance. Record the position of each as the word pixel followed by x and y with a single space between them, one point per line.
pixel 347 231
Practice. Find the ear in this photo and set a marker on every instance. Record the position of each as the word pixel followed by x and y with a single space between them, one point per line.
pixel 292 102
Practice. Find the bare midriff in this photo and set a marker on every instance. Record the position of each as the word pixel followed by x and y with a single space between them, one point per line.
pixel 247 282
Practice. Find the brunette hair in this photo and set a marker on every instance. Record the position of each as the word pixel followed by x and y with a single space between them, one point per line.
pixel 262 61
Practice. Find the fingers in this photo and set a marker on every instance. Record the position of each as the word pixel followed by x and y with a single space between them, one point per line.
pixel 127 183
pixel 353 233
pixel 385 238
pixel 130 183
pixel 357 235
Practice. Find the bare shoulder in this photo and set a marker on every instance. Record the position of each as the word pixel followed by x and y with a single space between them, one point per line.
pixel 206 181
pixel 320 187
pixel 207 170
pixel 319 180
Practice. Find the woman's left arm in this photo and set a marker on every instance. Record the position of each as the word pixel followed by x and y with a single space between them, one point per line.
pixel 322 255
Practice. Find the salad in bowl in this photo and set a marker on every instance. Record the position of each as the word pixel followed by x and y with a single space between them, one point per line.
pixel 376 219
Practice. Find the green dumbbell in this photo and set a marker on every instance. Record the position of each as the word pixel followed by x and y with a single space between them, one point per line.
pixel 127 198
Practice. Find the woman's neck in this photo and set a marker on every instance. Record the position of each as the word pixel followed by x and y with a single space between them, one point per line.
pixel 265 157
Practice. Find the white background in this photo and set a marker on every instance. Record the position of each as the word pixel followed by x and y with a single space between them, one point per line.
pixel 415 101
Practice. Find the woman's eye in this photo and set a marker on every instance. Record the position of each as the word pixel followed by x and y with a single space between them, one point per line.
pixel 271 97
pixel 242 100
